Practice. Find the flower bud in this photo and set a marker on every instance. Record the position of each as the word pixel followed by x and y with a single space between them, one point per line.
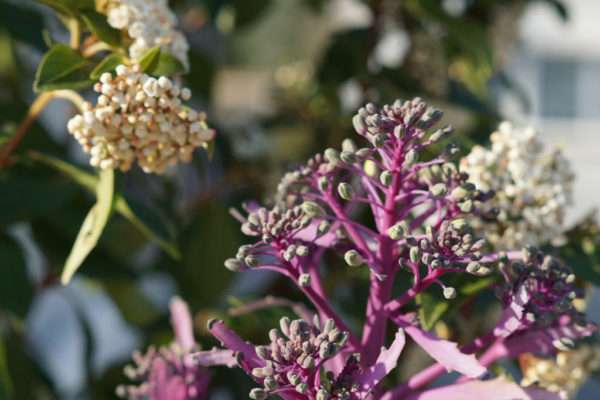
pixel 345 191
pixel 258 394
pixel 410 158
pixel 332 155
pixel 304 280
pixel 312 209
pixel 234 265
pixel 397 231
pixel 438 190
pixel 449 293
pixel 353 258
pixel 385 178
pixel 348 157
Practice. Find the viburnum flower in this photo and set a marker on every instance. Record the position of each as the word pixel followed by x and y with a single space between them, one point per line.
pixel 425 220
pixel 563 374
pixel 139 118
pixel 532 188
pixel 148 23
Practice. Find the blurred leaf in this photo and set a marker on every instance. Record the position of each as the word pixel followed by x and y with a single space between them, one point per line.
pixel 16 290
pixel 5 381
pixel 582 250
pixel 108 64
pixel 92 226
pixel 159 63
pixel 133 304
pixel 143 218
pixel 247 12
pixel 62 68
pixel 211 238
pixel 20 197
pixel 13 17
pixel 98 25
pixel 345 58
pixel 149 59
pixel 69 8
pixel 431 309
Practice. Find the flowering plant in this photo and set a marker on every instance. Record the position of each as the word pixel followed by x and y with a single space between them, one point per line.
pixel 426 218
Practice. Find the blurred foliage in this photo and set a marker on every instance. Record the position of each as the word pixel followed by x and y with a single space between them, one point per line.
pixel 279 80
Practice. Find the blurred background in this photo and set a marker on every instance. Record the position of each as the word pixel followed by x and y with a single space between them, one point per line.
pixel 279 80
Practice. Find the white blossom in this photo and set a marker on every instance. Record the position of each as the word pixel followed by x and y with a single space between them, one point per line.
pixel 139 118
pixel 533 187
pixel 148 23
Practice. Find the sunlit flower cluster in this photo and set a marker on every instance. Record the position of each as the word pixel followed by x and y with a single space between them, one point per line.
pixel 532 187
pixel 139 118
pixel 563 374
pixel 148 23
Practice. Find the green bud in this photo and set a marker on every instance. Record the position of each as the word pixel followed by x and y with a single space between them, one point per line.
pixel 258 394
pixel 399 131
pixel 270 383
pixel 332 155
pixel 234 265
pixel 353 258
pixel 438 190
pixel 385 178
pixel 415 254
pixel 349 145
pixel 304 280
pixel 379 140
pixel 312 209
pixel 363 153
pixel 410 158
pixel 323 183
pixel 345 191
pixel 449 293
pixel 301 388
pixel 466 206
pixel 459 193
pixel 348 157
pixel 397 231
pixel 459 224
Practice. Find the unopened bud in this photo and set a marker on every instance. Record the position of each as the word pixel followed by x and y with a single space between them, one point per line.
pixel 397 231
pixel 415 254
pixel 258 394
pixel 385 178
pixel 323 183
pixel 304 280
pixel 234 265
pixel 312 209
pixel 353 258
pixel 410 158
pixel 332 155
pixel 345 191
pixel 449 293
pixel 348 157
pixel 349 145
pixel 438 190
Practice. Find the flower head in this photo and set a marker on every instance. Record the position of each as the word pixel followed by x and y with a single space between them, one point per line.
pixel 532 187
pixel 148 23
pixel 168 373
pixel 139 118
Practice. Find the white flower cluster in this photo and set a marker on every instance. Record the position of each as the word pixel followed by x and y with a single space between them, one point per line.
pixel 141 118
pixel 563 375
pixel 533 187
pixel 149 23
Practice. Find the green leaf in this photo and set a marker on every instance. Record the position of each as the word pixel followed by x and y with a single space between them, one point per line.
pixel 109 64
pixel 149 59
pixel 62 68
pixel 98 25
pixel 69 8
pixel 92 226
pixel 159 63
pixel 431 309
pixel 143 218
pixel 16 290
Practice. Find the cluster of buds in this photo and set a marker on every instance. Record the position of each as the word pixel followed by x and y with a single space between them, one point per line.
pixel 294 356
pixel 148 23
pixel 562 374
pixel 168 373
pixel 532 188
pixel 138 117
pixel 540 292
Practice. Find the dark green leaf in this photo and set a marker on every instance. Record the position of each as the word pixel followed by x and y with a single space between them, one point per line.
pixel 16 290
pixel 431 309
pixel 159 63
pixel 99 26
pixel 62 68
pixel 150 59
pixel 13 17
pixel 109 64
pixel 5 381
